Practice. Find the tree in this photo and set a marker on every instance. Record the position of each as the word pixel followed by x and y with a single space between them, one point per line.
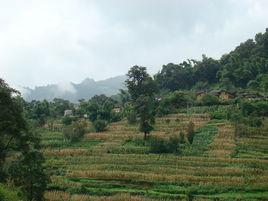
pixel 75 131
pixel 142 88
pixel 99 125
pixel 176 76
pixel 98 107
pixel 58 106
pixel 124 97
pixel 40 111
pixel 209 99
pixel 13 126
pixel 28 172
pixel 206 70
pixel 21 145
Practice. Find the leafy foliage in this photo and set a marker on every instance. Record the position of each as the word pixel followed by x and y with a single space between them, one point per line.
pixel 173 101
pixel 99 125
pixel 209 100
pixel 246 66
pixel 28 172
pixel 10 194
pixel 190 132
pixel 159 145
pixel 75 131
pixel 141 88
pixel 19 142
pixel 67 120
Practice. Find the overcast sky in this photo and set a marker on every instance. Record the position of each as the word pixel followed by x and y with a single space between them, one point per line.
pixel 51 41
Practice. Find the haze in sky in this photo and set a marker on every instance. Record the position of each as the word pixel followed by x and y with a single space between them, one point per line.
pixel 52 41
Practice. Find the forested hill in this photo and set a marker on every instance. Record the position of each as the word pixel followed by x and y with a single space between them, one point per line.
pixel 73 92
pixel 244 67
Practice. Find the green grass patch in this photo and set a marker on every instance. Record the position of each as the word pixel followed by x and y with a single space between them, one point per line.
pixel 202 139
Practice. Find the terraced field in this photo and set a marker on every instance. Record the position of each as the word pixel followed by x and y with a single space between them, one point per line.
pixel 113 166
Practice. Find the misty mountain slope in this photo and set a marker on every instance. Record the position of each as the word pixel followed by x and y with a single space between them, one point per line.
pixel 73 92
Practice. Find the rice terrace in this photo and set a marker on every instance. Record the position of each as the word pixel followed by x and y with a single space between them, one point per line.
pixel 115 164
pixel 137 100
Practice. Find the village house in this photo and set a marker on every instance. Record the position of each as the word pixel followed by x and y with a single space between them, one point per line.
pixel 117 109
pixel 252 96
pixel 68 113
pixel 224 94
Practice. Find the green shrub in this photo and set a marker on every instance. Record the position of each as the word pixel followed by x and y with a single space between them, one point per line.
pixel 177 120
pixel 167 121
pixel 220 113
pixel 132 117
pixel 209 99
pixel 99 125
pixel 10 194
pixel 75 131
pixel 241 130
pixel 190 132
pixel 256 108
pixel 159 145
pixel 235 115
pixel 67 120
pixel 115 117
pixel 253 121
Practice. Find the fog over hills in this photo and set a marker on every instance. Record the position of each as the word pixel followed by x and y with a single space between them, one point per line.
pixel 73 92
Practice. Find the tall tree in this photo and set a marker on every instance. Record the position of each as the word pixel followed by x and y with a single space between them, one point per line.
pixel 12 124
pixel 20 144
pixel 142 88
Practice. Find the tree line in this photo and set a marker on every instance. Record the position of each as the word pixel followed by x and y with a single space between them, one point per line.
pixel 244 67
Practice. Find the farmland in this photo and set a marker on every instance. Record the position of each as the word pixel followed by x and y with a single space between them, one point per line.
pixel 117 165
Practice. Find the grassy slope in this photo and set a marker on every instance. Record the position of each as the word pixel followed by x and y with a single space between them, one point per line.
pixel 10 194
pixel 110 164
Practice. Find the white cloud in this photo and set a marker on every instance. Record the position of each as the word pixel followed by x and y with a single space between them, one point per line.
pixel 50 41
pixel 66 87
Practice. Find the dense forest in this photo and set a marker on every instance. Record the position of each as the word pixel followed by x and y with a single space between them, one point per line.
pixel 245 67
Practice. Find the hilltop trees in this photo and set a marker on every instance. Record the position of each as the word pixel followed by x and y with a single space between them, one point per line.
pixel 141 88
pixel 245 66
pixel 58 106
pixel 99 110
pixel 20 144
pixel 39 111
pixel 176 76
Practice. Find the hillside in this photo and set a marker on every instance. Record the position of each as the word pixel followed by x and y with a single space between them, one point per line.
pixel 246 68
pixel 74 92
pixel 117 165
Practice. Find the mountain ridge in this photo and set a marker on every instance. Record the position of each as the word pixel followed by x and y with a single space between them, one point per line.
pixel 73 92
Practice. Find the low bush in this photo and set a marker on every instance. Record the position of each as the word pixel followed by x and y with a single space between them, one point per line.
pixel 159 145
pixel 68 120
pixel 241 130
pixel 100 125
pixel 190 132
pixel 10 194
pixel 255 108
pixel 75 131
pixel 132 117
pixel 115 117
pixel 220 113
pixel 209 99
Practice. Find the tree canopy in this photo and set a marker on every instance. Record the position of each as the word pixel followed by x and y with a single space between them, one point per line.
pixel 142 88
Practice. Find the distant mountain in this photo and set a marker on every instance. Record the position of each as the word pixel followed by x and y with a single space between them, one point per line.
pixel 73 92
